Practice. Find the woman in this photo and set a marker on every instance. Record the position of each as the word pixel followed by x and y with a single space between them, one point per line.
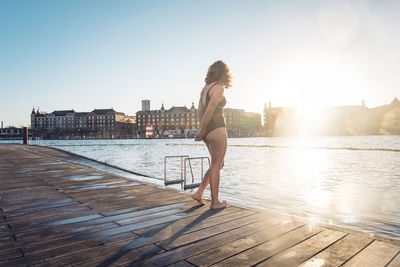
pixel 212 130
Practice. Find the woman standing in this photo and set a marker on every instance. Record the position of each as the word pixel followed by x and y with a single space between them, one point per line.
pixel 212 130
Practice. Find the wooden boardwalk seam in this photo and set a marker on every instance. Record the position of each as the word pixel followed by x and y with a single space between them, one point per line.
pixel 56 212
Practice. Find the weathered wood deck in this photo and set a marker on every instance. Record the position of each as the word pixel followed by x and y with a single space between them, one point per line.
pixel 54 212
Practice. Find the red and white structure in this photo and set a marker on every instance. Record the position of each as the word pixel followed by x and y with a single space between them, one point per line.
pixel 149 131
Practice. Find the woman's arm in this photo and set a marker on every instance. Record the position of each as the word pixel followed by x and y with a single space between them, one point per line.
pixel 200 110
pixel 215 97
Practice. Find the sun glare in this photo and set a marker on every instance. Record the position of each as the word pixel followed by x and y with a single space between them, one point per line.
pixel 315 81
pixel 309 86
pixel 309 119
pixel 324 82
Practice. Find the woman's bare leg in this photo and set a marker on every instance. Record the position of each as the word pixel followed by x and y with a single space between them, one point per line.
pixel 217 143
pixel 204 183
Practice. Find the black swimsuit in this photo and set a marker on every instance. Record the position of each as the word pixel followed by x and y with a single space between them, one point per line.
pixel 217 120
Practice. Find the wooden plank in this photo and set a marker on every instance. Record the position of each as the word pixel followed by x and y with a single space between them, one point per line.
pixel 170 232
pixel 54 240
pixel 137 201
pixel 50 216
pixel 178 208
pixel 378 253
pixel 37 209
pixel 31 203
pixel 340 252
pixel 92 196
pixel 225 251
pixel 181 253
pixel 23 227
pixel 108 255
pixel 180 240
pixel 135 226
pixel 103 207
pixel 125 210
pixel 304 250
pixel 46 236
pixel 7 244
pixel 49 253
pixel 194 223
pixel 7 255
pixel 65 219
pixel 270 248
pixel 194 210
pixel 30 222
pixel 181 264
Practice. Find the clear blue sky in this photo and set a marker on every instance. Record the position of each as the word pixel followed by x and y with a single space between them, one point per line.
pixel 82 55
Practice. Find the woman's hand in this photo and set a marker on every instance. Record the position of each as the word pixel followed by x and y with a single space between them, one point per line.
pixel 200 136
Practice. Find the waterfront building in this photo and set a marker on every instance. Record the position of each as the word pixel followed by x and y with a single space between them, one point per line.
pixel 241 123
pixel 175 119
pixel 99 123
pixel 270 118
pixel 183 121
pixel 386 119
pixel 11 133
pixel 336 120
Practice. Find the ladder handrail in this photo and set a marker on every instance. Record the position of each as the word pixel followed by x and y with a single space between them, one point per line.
pixel 185 159
pixel 165 167
pixel 191 170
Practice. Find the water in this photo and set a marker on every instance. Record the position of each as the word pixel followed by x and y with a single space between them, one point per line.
pixel 321 179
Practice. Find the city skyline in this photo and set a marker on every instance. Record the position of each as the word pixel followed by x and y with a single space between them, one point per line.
pixel 83 55
pixel 300 111
pixel 308 112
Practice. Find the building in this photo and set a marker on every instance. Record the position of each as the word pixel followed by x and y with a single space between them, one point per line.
pixel 99 123
pixel 11 133
pixel 174 120
pixel 336 120
pixel 146 105
pixel 183 121
pixel 271 118
pixel 240 123
pixel 386 119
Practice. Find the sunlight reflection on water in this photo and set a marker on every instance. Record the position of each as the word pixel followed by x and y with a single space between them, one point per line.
pixel 360 189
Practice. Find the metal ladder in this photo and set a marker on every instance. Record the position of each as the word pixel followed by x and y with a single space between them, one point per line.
pixel 185 161
pixel 176 181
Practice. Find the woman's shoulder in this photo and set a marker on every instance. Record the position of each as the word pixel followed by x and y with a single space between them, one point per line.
pixel 217 89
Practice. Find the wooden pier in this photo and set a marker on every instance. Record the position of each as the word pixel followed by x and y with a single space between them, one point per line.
pixel 54 212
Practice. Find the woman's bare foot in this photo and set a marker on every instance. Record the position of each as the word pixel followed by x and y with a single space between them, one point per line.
pixel 196 196
pixel 219 205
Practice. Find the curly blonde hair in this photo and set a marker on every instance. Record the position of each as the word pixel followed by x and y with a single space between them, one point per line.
pixel 219 72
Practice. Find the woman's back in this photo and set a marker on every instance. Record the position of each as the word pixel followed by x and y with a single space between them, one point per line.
pixel 221 104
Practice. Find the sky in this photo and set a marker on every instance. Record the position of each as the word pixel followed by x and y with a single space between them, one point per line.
pixel 82 54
